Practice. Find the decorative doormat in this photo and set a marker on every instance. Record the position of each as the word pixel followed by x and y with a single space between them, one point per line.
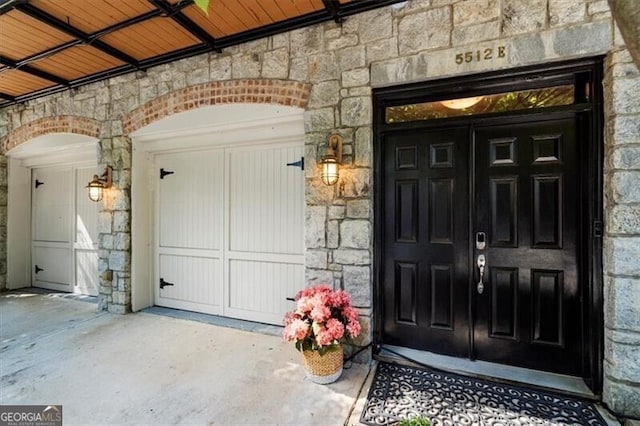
pixel 399 392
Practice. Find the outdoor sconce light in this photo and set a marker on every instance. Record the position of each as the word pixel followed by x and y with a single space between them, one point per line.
pixel 331 161
pixel 98 184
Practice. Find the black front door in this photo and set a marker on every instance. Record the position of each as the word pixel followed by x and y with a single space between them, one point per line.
pixel 506 193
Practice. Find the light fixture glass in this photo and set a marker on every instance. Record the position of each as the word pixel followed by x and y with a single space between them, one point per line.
pixel 96 189
pixel 462 103
pixel 98 184
pixel 329 173
pixel 331 162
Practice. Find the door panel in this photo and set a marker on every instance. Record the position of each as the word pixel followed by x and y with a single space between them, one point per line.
pixel 258 290
pixel 265 258
pixel 85 245
pixel 526 193
pixel 86 267
pixel 53 267
pixel 51 203
pixel 191 282
pixel 190 200
pixel 86 235
pixel 190 218
pixel 426 240
pixel 266 200
pixel 52 213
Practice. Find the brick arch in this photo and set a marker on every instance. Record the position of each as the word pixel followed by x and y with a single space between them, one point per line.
pixel 257 91
pixel 43 126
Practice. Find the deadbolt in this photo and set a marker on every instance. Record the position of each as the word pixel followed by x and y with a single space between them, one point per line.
pixel 481 240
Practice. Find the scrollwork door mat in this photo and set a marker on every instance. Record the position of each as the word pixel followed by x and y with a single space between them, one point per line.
pixel 399 392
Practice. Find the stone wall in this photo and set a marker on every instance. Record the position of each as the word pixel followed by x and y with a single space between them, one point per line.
pixel 3 223
pixel 114 225
pixel 622 237
pixel 339 64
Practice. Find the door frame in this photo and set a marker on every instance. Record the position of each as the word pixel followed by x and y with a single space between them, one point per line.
pixel 46 151
pixel 584 71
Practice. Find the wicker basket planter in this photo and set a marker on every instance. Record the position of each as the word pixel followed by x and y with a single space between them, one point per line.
pixel 323 369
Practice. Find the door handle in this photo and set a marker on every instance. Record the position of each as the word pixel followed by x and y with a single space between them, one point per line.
pixel 482 262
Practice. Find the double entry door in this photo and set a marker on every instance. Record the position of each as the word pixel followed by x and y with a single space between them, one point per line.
pixel 480 242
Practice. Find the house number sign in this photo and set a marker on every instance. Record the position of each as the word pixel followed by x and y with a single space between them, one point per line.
pixel 479 55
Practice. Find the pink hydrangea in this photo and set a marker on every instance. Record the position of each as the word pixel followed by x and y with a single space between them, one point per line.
pixel 296 330
pixel 324 338
pixel 322 318
pixel 320 313
pixel 289 317
pixel 305 305
pixel 335 328
pixel 340 299
pixel 354 329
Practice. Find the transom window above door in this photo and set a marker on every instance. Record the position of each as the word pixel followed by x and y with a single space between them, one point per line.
pixel 482 104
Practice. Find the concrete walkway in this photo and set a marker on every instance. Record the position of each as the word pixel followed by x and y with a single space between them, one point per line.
pixel 149 369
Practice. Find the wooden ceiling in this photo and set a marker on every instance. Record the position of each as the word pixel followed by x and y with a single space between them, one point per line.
pixel 51 45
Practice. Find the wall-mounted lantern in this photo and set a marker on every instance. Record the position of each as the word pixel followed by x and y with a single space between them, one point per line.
pixel 98 184
pixel 331 161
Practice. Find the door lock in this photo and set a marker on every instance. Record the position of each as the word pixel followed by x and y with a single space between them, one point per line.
pixel 481 240
pixel 482 261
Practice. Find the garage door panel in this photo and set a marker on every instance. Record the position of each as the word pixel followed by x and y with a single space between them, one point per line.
pixel 258 290
pixel 52 201
pixel 86 235
pixel 190 200
pixel 87 272
pixel 231 231
pixel 54 267
pixel 196 280
pixel 266 200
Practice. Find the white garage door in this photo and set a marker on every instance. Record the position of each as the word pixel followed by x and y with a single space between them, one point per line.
pixel 230 231
pixel 64 230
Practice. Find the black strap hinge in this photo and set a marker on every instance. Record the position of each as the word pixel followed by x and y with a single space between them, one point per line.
pixel 164 173
pixel 164 283
pixel 299 163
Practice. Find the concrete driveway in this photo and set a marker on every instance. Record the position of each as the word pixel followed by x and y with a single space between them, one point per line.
pixel 151 369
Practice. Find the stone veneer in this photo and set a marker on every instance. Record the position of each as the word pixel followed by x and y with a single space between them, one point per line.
pixel 337 65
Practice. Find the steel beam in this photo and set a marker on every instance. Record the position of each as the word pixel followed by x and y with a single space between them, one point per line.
pixel 333 7
pixel 54 22
pixel 7 97
pixel 33 71
pixel 186 23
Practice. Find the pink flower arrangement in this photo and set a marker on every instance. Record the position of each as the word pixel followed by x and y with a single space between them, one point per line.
pixel 323 319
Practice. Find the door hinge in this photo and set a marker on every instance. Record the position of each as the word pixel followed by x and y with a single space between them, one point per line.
pixel 164 173
pixel 299 163
pixel 597 229
pixel 164 283
pixel 38 269
pixel 38 183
